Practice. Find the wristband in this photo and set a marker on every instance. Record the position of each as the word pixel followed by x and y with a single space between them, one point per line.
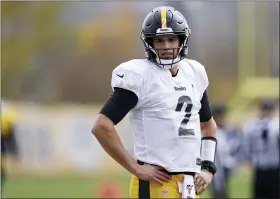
pixel 209 166
pixel 208 152
pixel 208 148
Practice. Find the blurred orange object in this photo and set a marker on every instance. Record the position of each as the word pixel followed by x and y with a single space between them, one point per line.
pixel 109 190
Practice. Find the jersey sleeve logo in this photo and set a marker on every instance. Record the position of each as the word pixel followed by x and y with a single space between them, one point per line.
pixel 121 76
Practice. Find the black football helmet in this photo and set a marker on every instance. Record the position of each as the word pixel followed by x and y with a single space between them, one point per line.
pixel 165 21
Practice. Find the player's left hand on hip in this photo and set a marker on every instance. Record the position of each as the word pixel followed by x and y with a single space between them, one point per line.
pixel 201 181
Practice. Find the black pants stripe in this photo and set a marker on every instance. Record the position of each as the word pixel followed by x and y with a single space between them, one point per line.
pixel 144 189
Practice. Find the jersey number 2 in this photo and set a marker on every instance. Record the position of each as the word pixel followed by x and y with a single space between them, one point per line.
pixel 182 130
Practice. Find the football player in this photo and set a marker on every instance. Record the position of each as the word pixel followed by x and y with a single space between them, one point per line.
pixel 172 122
pixel 261 148
pixel 7 136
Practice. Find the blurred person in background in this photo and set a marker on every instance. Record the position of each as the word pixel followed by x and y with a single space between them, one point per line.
pixel 227 149
pixel 8 141
pixel 170 114
pixel 260 148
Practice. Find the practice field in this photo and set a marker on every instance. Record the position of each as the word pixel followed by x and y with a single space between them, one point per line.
pixel 89 186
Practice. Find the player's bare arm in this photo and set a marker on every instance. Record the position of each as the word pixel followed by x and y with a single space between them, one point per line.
pixel 209 128
pixel 105 132
pixel 208 147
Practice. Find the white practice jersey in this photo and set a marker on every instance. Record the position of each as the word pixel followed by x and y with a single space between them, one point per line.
pixel 260 150
pixel 165 121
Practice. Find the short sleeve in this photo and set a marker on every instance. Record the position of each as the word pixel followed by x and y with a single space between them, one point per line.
pixel 128 80
pixel 201 74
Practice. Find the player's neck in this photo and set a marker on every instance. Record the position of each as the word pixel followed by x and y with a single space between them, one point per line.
pixel 174 70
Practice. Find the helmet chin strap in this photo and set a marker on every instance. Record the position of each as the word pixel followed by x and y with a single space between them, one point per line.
pixel 167 63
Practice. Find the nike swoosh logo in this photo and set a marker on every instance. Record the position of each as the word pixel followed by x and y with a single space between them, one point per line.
pixel 121 76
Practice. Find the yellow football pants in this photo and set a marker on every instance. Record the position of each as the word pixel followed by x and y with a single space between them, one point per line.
pixel 145 190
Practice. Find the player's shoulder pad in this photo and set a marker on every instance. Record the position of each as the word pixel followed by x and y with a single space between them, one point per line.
pixel 200 71
pixel 138 66
pixel 130 75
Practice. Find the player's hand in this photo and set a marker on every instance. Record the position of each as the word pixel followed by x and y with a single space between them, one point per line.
pixel 201 181
pixel 153 173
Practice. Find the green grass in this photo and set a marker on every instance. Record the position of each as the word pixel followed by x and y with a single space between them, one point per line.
pixel 87 187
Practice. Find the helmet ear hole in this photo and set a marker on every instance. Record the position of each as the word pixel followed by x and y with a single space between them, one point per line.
pixel 182 39
pixel 150 41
